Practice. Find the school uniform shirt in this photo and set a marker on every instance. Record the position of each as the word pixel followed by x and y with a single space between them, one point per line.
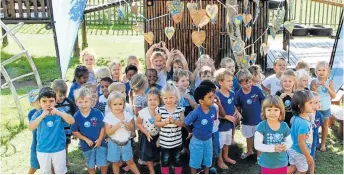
pixel 301 126
pixel 202 122
pixel 162 77
pixel 127 89
pixel 89 126
pixel 228 105
pixel 99 91
pixel 250 104
pixel 148 122
pixel 51 137
pixel 183 102
pixel 72 88
pixel 92 77
pixel 140 101
pixel 236 85
pixel 121 134
pixel 287 106
pixel 273 83
pixel 271 137
pixel 171 134
pixel 34 132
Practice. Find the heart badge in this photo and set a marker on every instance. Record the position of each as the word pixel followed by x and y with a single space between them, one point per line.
pixel 198 38
pixel 212 10
pixel 264 48
pixel 289 25
pixel 149 37
pixel 237 19
pixel 169 32
pixel 204 21
pixel 253 58
pixel 272 32
pixel 248 32
pixel 175 6
pixel 247 18
pixel 134 9
pixel 238 46
pixel 177 18
pixel 197 16
pixel 138 27
pixel 191 6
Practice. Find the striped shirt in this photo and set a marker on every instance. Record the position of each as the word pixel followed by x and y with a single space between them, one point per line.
pixel 171 134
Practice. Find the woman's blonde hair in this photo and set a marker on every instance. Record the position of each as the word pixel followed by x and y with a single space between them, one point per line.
pixel 170 86
pixel 87 52
pixel 273 101
pixel 289 73
pixel 116 95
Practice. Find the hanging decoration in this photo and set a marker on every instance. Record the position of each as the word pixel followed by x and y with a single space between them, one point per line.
pixel 253 56
pixel 197 16
pixel 248 32
pixel 191 6
pixel 177 18
pixel 212 11
pixel 138 27
pixel 134 9
pixel 120 11
pixel 175 6
pixel 149 37
pixel 264 48
pixel 238 46
pixel 204 21
pixel 289 25
pixel 247 18
pixel 198 37
pixel 237 19
pixel 169 31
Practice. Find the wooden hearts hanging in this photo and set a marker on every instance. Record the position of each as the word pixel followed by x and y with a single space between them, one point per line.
pixel 149 37
pixel 198 37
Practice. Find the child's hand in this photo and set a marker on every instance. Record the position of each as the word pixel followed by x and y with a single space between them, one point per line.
pixel 118 125
pixel 172 120
pixel 54 111
pixel 310 160
pixel 45 113
pixel 217 101
pixel 230 118
pixel 283 95
pixel 89 142
pixel 189 136
pixel 279 148
pixel 98 143
pixel 149 137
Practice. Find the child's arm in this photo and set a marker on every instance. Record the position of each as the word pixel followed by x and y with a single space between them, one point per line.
pixel 100 138
pixel 169 60
pixel 260 146
pixel 136 110
pixel 149 55
pixel 84 138
pixel 160 123
pixel 34 124
pixel 330 88
pixel 288 142
pixel 314 86
pixel 192 102
pixel 303 147
pixel 109 129
pixel 267 90
pixel 139 121
pixel 130 125
pixel 180 122
pixel 66 117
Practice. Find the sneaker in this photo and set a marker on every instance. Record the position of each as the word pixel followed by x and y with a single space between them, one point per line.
pixel 212 170
pixel 141 162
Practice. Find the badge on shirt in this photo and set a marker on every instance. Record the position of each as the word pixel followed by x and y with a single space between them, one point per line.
pixel 287 103
pixel 204 122
pixel 50 124
pixel 151 120
pixel 229 101
pixel 87 124
pixel 324 89
pixel 249 101
pixel 94 121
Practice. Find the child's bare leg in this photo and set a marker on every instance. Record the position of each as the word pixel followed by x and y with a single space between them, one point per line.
pixel 311 169
pixel 249 142
pixel 291 169
pixel 150 165
pixel 115 167
pixel 298 172
pixel 324 132
pixel 67 162
pixel 133 167
pixel 225 155
pixel 233 134
pixel 220 162
pixel 193 171
pixel 92 171
pixel 31 171
pixel 104 169
pixel 206 170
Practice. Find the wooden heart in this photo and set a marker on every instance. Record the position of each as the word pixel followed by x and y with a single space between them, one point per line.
pixel 248 32
pixel 198 38
pixel 238 46
pixel 204 21
pixel 175 6
pixel 212 10
pixel 197 16
pixel 289 25
pixel 138 27
pixel 264 48
pixel 191 6
pixel 253 58
pixel 149 37
pixel 177 17
pixel 247 18
pixel 134 9
pixel 169 32
pixel 237 19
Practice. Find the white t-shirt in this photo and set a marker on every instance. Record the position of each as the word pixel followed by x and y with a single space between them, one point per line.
pixel 273 83
pixel 148 122
pixel 127 108
pixel 121 134
pixel 216 122
pixel 162 76
pixel 102 99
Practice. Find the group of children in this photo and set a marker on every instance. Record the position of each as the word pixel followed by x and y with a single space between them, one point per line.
pixel 173 111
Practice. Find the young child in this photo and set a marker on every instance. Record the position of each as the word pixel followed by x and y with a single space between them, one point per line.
pixel 118 125
pixel 80 77
pixel 302 65
pixel 187 100
pixel 152 77
pixel 301 133
pixel 248 99
pixel 256 72
pixel 137 97
pixel 33 100
pixel 119 87
pixel 101 73
pixel 150 133
pixel 175 61
pixel 272 137
pixel 133 60
pixel 88 59
pixel 51 139
pixel 229 64
pixel 116 71
pixel 203 60
pixel 201 118
pixel 89 128
pixel 302 80
pixel 66 105
pixel 130 71
pixel 272 84
pixel 93 89
pixel 170 119
pixel 316 117
pixel 225 79
pixel 104 84
pixel 325 88
pixel 288 84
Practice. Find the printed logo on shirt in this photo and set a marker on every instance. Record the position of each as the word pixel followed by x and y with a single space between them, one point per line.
pixel 204 122
pixel 324 90
pixel 254 97
pixel 87 124
pixel 229 101
pixel 94 121
pixel 276 138
pixel 151 120
pixel 213 117
pixel 249 101
pixel 50 124
pixel 287 103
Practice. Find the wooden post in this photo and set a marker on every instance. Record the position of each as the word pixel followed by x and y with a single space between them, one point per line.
pixel 76 51
pixel 5 39
pixel 84 34
pixel 285 32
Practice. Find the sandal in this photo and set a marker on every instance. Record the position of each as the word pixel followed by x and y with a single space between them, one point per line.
pixel 245 155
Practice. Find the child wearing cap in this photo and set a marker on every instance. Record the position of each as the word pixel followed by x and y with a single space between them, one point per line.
pixel 33 100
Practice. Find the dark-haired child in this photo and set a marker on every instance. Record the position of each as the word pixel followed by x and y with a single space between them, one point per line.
pixel 152 77
pixel 316 123
pixel 201 118
pixel 130 71
pixel 104 84
pixel 51 139
pixel 80 77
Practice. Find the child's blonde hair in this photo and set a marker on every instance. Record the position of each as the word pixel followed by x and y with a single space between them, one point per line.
pixel 138 81
pixel 170 86
pixel 154 91
pixel 157 54
pixel 116 86
pixel 255 69
pixel 206 70
pixel 302 73
pixel 60 86
pixel 221 73
pixel 87 52
pixel 116 95
pixel 102 73
pixel 178 74
pixel 191 77
pixel 244 75
pixel 177 61
pixel 277 60
pixel 289 73
pixel 226 60
pixel 114 63
pixel 273 101
pixel 323 64
pixel 302 65
pixel 82 93
pixel 89 86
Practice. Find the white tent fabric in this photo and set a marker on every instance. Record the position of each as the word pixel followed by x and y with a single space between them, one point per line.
pixel 337 72
pixel 67 16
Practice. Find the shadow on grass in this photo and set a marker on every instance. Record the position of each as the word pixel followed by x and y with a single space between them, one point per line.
pixel 8 135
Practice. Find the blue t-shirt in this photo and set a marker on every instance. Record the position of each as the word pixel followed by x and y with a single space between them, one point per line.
pixel 127 89
pixel 250 105
pixel 236 85
pixel 72 88
pixel 156 86
pixel 272 137
pixel 68 107
pixel 34 132
pixel 89 126
pixel 301 126
pixel 202 123
pixel 51 137
pixel 228 105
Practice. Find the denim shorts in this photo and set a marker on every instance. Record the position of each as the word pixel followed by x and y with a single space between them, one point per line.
pixel 33 160
pixel 95 156
pixel 216 144
pixel 117 153
pixel 200 151
pixel 326 113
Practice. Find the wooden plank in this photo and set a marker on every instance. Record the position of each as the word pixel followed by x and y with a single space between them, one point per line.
pixel 35 8
pixel 11 9
pixel 20 8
